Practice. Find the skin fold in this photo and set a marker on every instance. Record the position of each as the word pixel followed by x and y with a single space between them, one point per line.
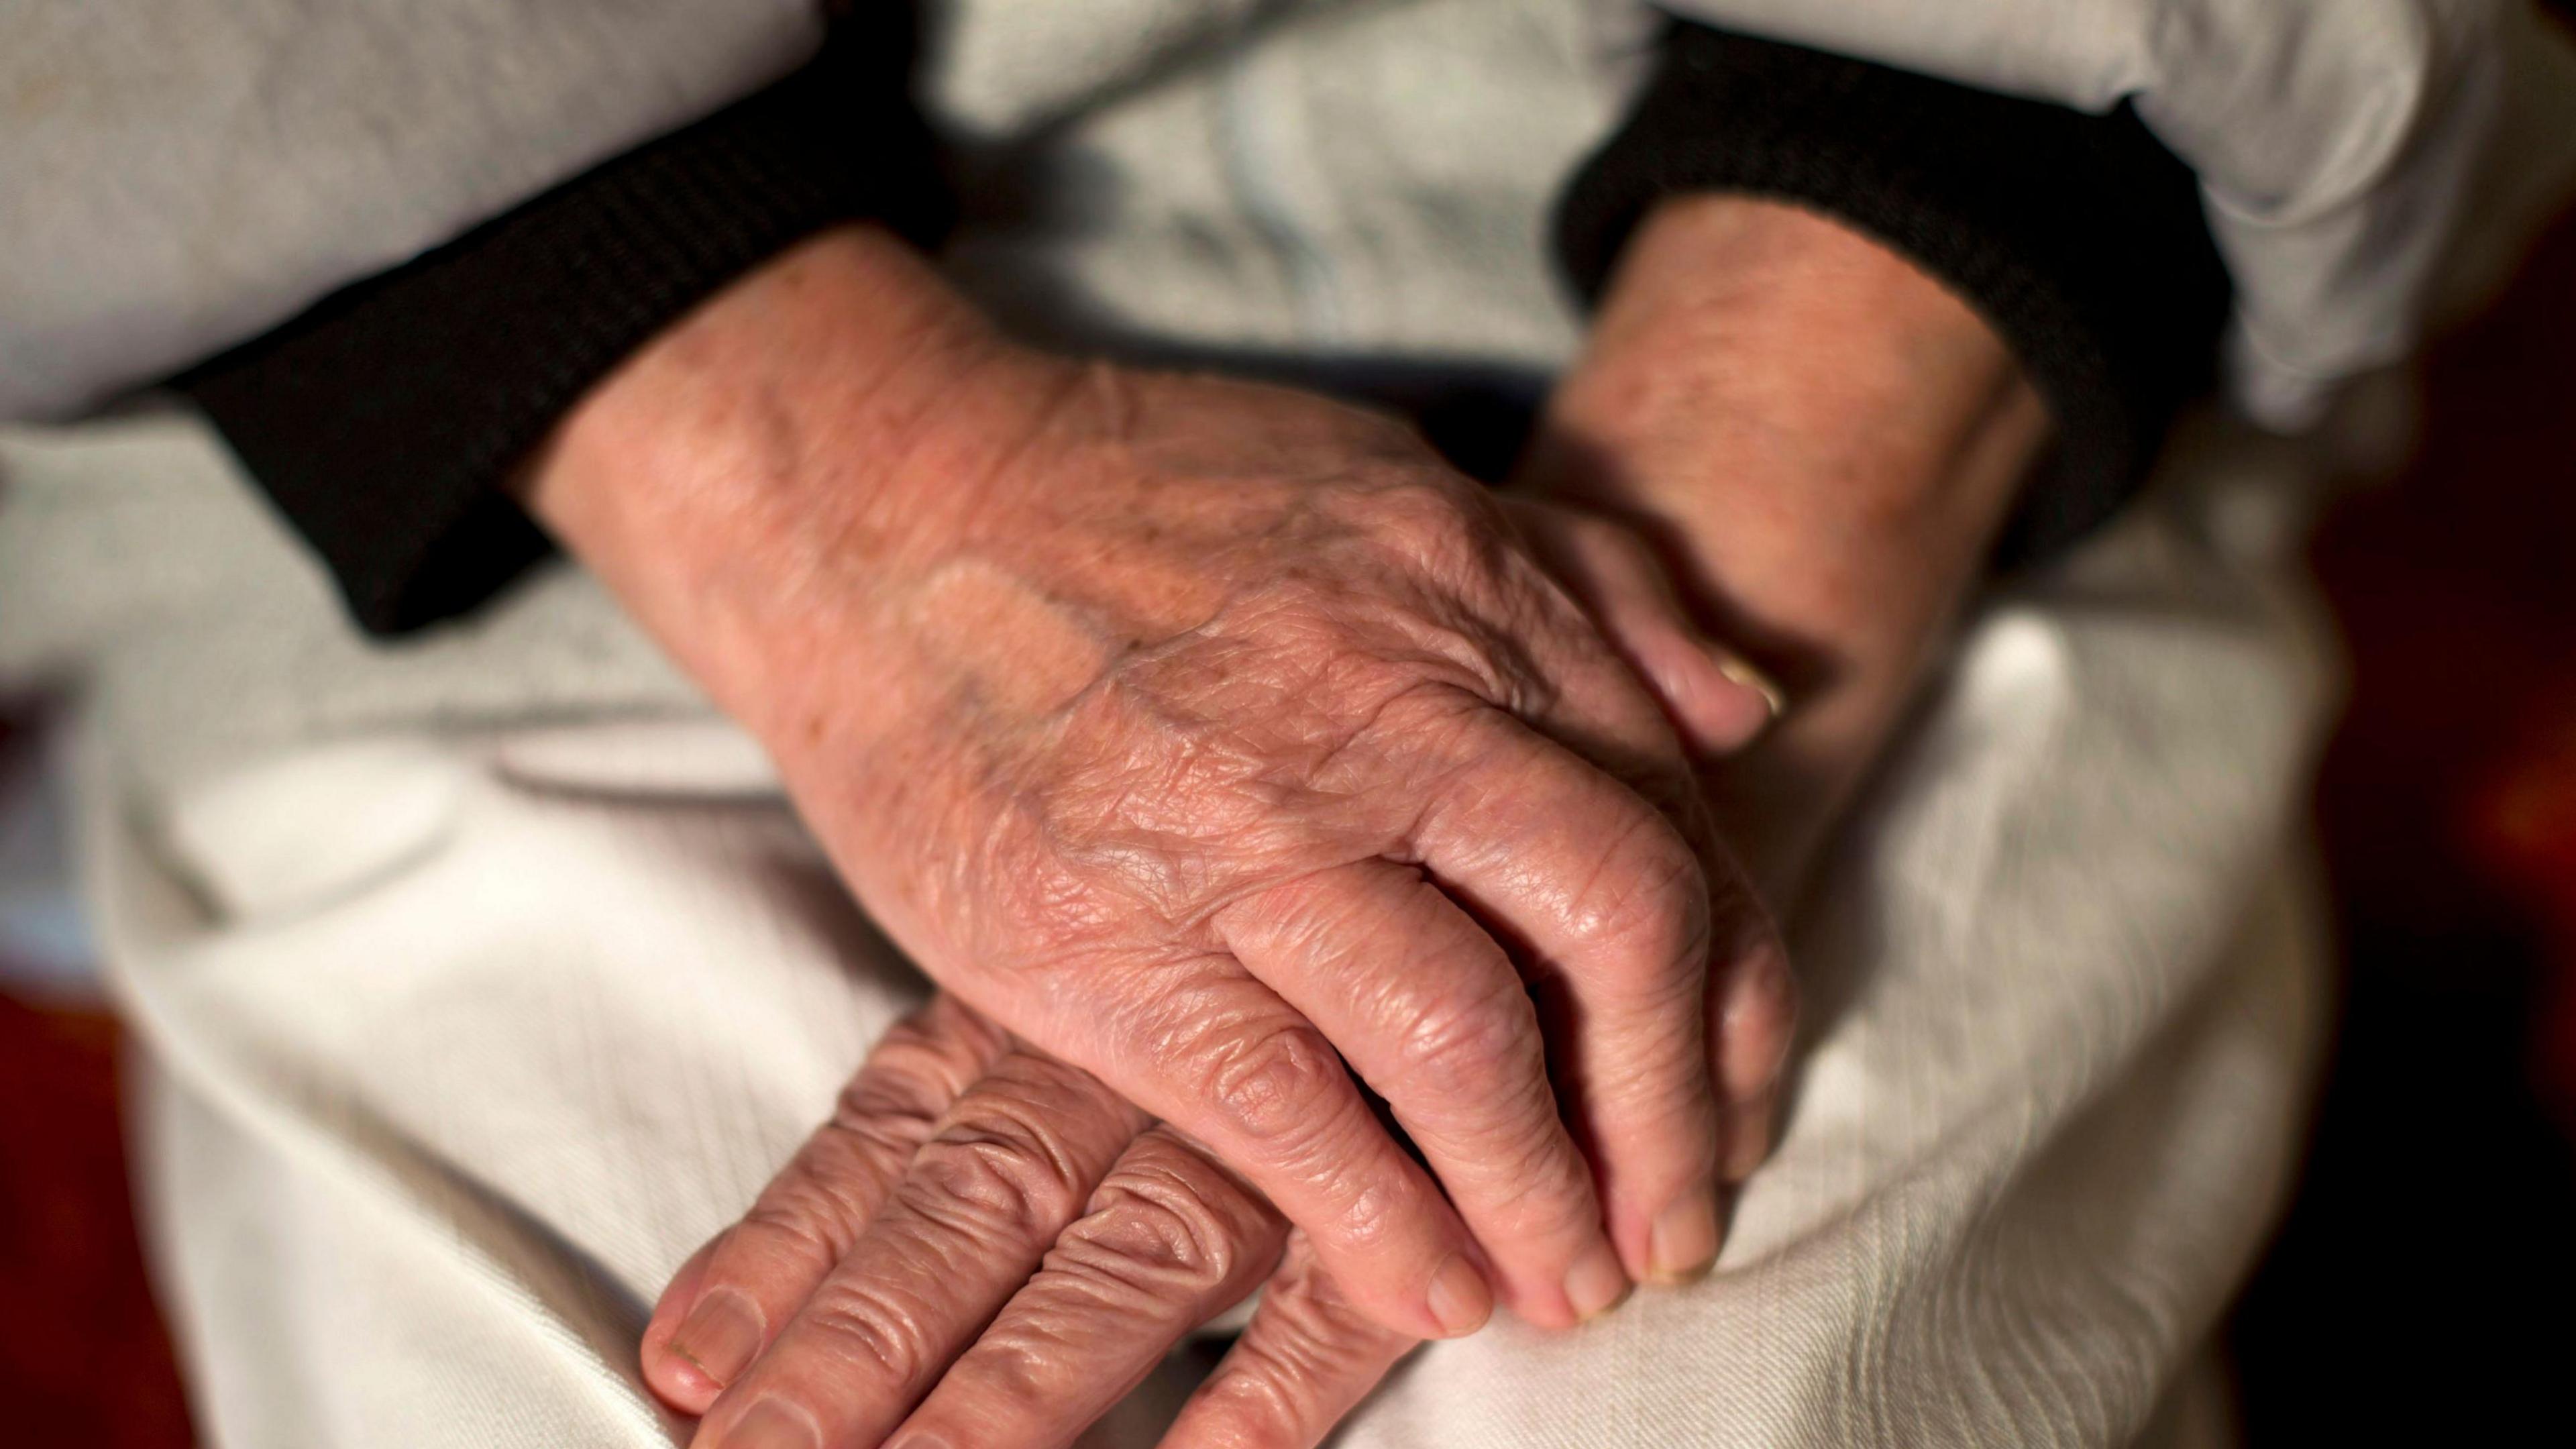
pixel 1210 742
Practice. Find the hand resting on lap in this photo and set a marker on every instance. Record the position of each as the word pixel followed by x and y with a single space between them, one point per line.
pixel 991 1248
pixel 1221 741
pixel 1820 442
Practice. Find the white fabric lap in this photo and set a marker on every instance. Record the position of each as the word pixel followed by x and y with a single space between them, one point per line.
pixel 438 1108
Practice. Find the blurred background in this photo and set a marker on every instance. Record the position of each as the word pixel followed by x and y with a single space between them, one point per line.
pixel 2425 1279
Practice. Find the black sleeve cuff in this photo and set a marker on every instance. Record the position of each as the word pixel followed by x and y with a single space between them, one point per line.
pixel 2080 237
pixel 382 420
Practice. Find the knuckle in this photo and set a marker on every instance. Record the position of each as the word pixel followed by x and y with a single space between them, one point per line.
pixel 800 1216
pixel 1274 1089
pixel 1018 1371
pixel 1143 1261
pixel 883 1108
pixel 1474 1049
pixel 1648 905
pixel 1543 1193
pixel 864 1140
pixel 1162 1227
pixel 1002 1182
pixel 1432 521
pixel 923 1062
pixel 870 1331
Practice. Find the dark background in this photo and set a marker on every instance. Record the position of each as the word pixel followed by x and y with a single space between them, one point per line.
pixel 2423 1287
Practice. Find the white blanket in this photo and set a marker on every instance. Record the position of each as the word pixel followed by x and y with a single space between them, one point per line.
pixel 463 1040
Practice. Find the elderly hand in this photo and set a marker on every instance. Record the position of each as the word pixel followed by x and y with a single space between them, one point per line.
pixel 1220 741
pixel 998 1244
pixel 1842 523
pixel 1015 1248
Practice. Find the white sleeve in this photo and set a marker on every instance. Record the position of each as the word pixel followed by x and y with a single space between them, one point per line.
pixel 2339 143
pixel 177 175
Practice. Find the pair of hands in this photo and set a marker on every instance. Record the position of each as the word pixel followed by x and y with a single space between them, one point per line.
pixel 999 1243
pixel 1211 738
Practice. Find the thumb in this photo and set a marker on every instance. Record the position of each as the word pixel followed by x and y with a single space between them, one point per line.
pixel 1718 700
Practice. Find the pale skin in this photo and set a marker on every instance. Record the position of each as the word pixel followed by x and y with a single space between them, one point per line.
pixel 1430 750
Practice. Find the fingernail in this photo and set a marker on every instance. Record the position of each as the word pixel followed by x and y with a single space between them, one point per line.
pixel 1596 1283
pixel 1461 1301
pixel 720 1335
pixel 1734 667
pixel 773 1425
pixel 1683 1242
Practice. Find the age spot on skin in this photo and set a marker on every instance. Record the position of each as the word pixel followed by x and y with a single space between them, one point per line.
pixel 1021 652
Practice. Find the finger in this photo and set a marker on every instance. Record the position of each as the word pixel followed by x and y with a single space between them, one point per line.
pixel 727 1303
pixel 1170 1241
pixel 1611 906
pixel 1717 699
pixel 1720 703
pixel 1748 992
pixel 1748 1133
pixel 1242 1072
pixel 1304 1362
pixel 1013 1162
pixel 1432 1015
pixel 1754 1006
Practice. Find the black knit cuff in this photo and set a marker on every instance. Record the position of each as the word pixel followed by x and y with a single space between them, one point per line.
pixel 381 421
pixel 2080 237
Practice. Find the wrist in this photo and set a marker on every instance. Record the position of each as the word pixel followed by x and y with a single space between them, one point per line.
pixel 1825 442
pixel 1825 436
pixel 1750 350
pixel 744 479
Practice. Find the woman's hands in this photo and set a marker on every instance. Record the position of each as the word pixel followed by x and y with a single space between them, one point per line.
pixel 1215 738
pixel 991 1248
pixel 1816 436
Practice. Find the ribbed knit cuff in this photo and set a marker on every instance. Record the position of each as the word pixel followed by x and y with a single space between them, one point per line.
pixel 382 421
pixel 2079 237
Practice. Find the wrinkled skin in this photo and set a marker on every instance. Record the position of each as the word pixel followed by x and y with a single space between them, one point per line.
pixel 1221 741
pixel 1836 512
pixel 1291 779
pixel 1032 1247
pixel 967 1182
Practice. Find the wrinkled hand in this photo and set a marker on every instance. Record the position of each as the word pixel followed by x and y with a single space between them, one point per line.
pixel 1215 738
pixel 1004 1248
pixel 986 1247
pixel 1841 525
